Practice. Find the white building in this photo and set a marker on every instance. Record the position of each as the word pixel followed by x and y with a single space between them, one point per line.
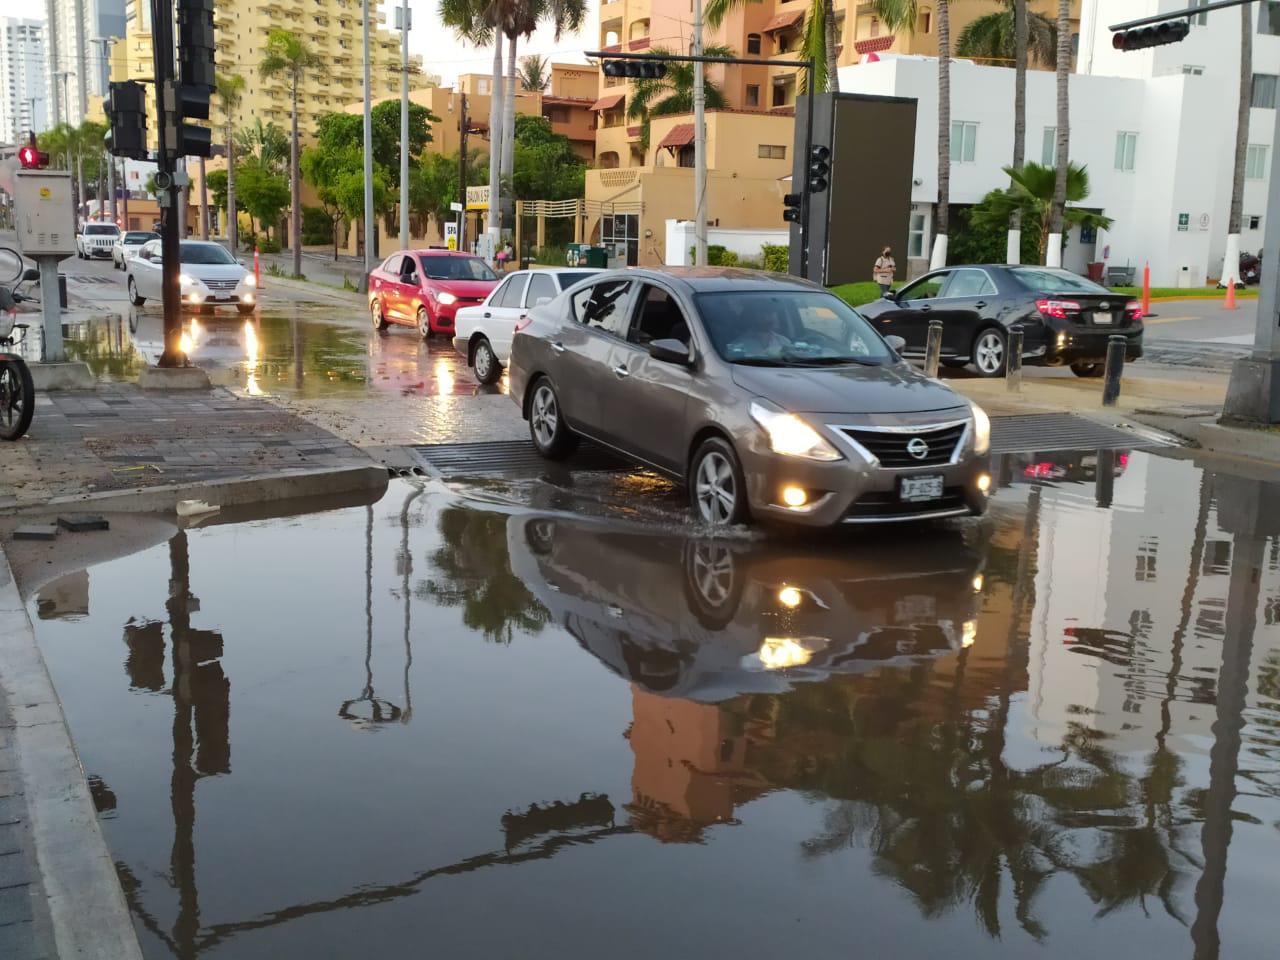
pixel 23 107
pixel 79 63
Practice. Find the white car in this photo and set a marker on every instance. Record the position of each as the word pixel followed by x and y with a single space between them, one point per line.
pixel 96 239
pixel 483 333
pixel 127 245
pixel 210 276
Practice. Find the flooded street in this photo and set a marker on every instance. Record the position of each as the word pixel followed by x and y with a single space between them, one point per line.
pixel 530 719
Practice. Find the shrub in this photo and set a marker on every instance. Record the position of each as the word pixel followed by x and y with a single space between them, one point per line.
pixel 269 245
pixel 551 256
pixel 717 256
pixel 776 257
pixel 317 228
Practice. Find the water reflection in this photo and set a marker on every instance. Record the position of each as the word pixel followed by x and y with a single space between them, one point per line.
pixel 1061 724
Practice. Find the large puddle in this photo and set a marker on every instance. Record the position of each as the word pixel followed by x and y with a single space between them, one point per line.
pixel 460 725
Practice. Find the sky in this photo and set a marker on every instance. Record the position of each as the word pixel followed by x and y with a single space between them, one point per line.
pixel 441 51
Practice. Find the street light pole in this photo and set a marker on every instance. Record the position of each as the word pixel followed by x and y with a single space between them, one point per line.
pixel 368 157
pixel 699 143
pixel 404 125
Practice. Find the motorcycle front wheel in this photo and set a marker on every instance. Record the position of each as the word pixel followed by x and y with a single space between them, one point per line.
pixel 17 398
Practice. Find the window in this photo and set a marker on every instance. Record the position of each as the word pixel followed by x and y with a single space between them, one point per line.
pixel 779 95
pixel 926 21
pixel 1255 162
pixel 608 160
pixel 970 283
pixel 1049 148
pixel 1126 147
pixel 1192 69
pixel 620 229
pixel 875 27
pixel 512 291
pixel 540 285
pixel 753 94
pixel 482 86
pixel 753 43
pixel 601 307
pixel 1253 222
pixel 801 327
pixel 558 114
pixel 1146 560
pixel 1268 18
pixel 915 236
pixel 964 141
pixel 771 151
pixel 926 288
pixel 1264 90
pixel 408 270
pixel 659 318
pixel 392 264
pixel 1217 557
pixel 1200 19
pixel 685 158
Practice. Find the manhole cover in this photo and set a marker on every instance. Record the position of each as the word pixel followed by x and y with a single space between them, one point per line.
pixel 1038 432
pixel 508 456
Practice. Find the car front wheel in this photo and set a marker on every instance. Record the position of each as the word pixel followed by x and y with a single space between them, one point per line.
pixel 485 364
pixel 989 352
pixel 717 488
pixel 424 323
pixel 1087 369
pixel 136 300
pixel 550 434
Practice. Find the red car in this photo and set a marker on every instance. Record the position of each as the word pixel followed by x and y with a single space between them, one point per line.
pixel 424 288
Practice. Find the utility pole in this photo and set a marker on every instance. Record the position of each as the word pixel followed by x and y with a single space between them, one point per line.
pixel 404 124
pixel 368 158
pixel 167 192
pixel 51 18
pixel 82 64
pixel 699 143
pixel 463 123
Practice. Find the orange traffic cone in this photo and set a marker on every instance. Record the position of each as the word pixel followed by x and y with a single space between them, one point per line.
pixel 1230 303
pixel 1146 289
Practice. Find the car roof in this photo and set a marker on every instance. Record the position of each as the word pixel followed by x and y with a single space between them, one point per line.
pixel 717 279
pixel 429 252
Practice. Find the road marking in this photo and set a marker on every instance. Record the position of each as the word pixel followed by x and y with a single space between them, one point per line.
pixel 1152 321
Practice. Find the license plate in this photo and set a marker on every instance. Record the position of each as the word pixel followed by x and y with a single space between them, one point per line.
pixel 915 489
pixel 1102 318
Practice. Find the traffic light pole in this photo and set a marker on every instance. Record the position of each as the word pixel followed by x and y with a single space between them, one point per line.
pixel 170 268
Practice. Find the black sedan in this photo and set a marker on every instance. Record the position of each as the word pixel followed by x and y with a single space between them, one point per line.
pixel 1065 319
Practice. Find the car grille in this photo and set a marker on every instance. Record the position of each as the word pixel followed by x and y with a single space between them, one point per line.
pixel 221 284
pixel 891 447
pixel 885 505
pixel 471 300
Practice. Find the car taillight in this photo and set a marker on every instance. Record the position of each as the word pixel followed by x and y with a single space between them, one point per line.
pixel 1057 308
pixel 1134 309
pixel 523 322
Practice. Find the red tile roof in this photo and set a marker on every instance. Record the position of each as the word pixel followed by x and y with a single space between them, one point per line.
pixel 784 21
pixel 874 44
pixel 608 102
pixel 681 135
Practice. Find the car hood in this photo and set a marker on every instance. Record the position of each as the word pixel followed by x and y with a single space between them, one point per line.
pixel 478 289
pixel 214 271
pixel 895 388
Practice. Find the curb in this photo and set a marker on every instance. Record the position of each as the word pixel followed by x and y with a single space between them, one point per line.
pixel 1211 437
pixel 235 491
pixel 87 908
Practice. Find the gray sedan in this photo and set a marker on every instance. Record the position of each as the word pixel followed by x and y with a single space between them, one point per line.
pixel 768 396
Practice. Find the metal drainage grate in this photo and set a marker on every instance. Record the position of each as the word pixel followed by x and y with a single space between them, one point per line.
pixel 1040 432
pixel 508 456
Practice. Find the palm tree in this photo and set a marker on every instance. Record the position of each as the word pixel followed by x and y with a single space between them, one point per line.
pixel 288 54
pixel 1021 31
pixel 993 38
pixel 1231 263
pixel 1034 193
pixel 1054 253
pixel 818 41
pixel 533 73
pixel 672 94
pixel 264 145
pixel 230 89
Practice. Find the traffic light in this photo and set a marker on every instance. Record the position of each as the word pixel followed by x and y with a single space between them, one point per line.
pixel 126 108
pixel 195 77
pixel 634 69
pixel 30 157
pixel 1171 31
pixel 819 167
pixel 791 207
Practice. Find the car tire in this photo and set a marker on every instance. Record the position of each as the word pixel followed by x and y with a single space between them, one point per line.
pixel 1088 369
pixel 485 365
pixel 551 436
pixel 136 300
pixel 376 315
pixel 424 323
pixel 717 487
pixel 712 583
pixel 246 308
pixel 990 351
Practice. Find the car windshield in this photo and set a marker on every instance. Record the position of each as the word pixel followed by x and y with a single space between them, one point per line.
pixel 789 328
pixel 1052 280
pixel 102 228
pixel 139 236
pixel 457 268
pixel 205 253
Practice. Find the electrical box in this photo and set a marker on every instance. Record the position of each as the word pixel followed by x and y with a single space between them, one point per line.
pixel 587 255
pixel 44 213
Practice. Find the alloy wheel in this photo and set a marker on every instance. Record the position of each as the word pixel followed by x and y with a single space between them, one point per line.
pixel 483 361
pixel 715 488
pixel 988 353
pixel 544 415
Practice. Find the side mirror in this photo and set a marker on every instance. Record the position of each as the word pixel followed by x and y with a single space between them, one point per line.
pixel 896 343
pixel 31 275
pixel 541 300
pixel 890 295
pixel 671 351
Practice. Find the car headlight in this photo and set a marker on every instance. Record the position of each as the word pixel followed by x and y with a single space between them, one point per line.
pixel 791 436
pixel 186 280
pixel 446 298
pixel 981 429
pixel 248 280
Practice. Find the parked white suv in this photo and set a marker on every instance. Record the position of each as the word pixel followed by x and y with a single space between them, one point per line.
pixel 128 245
pixel 96 239
pixel 483 333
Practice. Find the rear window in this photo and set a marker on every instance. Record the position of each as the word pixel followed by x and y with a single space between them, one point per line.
pixel 568 279
pixel 102 229
pixel 1052 280
pixel 457 268
pixel 139 236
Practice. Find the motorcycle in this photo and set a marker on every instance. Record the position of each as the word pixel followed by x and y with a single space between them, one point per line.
pixel 1250 268
pixel 17 391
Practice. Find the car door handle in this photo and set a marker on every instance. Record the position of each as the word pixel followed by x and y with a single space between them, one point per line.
pixel 621 372
pixel 557 346
pixel 980 304
pixel 487 314
pixel 926 308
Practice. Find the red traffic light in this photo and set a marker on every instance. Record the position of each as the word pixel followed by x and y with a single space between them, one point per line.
pixel 32 159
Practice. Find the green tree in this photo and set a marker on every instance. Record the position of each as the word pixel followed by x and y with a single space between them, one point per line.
pixel 385 118
pixel 673 93
pixel 992 38
pixel 534 73
pixel 264 145
pixel 265 195
pixel 219 183
pixel 546 168
pixel 329 164
pixel 230 90
pixel 288 55
pixel 1033 193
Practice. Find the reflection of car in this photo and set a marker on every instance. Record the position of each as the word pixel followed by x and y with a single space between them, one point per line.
pixel 710 619
pixel 769 396
pixel 1069 465
pixel 483 333
pixel 96 240
pixel 210 276
pixel 127 245
pixel 1065 318
pixel 424 288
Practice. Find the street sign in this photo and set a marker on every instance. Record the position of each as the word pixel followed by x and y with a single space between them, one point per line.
pixel 451 235
pixel 456 207
pixel 1184 222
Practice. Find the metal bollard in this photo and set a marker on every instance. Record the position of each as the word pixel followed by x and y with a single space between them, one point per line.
pixel 1113 371
pixel 1013 364
pixel 1104 482
pixel 933 349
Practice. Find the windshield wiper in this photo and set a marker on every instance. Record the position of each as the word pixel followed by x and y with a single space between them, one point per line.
pixel 829 361
pixel 758 362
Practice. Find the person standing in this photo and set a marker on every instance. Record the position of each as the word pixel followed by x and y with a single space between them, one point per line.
pixel 884 270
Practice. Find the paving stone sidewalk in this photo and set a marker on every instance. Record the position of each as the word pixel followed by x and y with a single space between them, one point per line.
pixel 120 437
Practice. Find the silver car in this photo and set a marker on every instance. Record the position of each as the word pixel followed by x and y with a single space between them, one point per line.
pixel 768 396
